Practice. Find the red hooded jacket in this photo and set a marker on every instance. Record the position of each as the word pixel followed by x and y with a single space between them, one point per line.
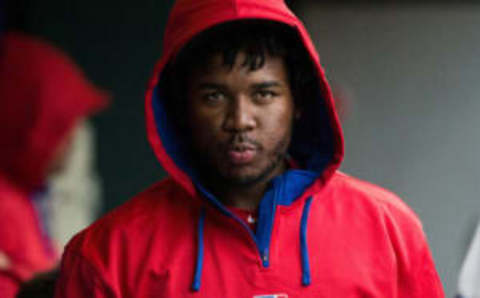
pixel 320 233
pixel 42 95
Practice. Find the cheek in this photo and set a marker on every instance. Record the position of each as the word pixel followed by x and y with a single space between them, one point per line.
pixel 204 128
pixel 278 134
pixel 278 121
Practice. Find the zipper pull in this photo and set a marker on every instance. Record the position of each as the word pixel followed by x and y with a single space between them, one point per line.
pixel 265 259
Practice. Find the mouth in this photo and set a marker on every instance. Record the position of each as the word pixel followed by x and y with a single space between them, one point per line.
pixel 241 153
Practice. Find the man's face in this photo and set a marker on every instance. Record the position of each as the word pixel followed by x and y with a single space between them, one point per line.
pixel 241 120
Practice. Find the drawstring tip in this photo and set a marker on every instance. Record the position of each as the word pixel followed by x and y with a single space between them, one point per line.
pixel 197 278
pixel 306 280
pixel 196 286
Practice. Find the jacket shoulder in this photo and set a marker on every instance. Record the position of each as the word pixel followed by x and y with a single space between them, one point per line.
pixel 382 215
pixel 369 194
pixel 402 228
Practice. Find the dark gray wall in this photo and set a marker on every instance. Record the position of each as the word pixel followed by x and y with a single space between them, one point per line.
pixel 411 75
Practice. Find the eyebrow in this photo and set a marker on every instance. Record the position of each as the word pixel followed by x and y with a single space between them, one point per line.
pixel 262 85
pixel 268 84
pixel 210 86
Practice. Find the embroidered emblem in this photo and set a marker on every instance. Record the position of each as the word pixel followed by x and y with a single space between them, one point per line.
pixel 4 261
pixel 271 296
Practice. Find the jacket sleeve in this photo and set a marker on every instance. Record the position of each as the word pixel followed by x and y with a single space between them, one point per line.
pixel 78 279
pixel 424 282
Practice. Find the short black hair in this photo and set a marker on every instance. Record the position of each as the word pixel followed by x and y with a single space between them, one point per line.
pixel 257 38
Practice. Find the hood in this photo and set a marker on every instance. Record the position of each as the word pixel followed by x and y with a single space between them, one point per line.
pixel 317 147
pixel 42 95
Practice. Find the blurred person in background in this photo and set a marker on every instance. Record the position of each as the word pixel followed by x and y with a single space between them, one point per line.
pixel 240 114
pixel 469 277
pixel 75 190
pixel 43 99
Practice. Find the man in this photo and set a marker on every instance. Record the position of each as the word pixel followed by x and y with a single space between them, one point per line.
pixel 43 96
pixel 240 115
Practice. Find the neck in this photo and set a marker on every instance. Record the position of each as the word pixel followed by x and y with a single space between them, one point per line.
pixel 244 196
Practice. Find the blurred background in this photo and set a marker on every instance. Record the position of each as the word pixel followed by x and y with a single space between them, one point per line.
pixel 405 73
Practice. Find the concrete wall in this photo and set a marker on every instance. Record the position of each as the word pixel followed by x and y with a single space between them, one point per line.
pixel 411 75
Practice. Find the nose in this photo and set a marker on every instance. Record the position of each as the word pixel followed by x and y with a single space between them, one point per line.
pixel 240 115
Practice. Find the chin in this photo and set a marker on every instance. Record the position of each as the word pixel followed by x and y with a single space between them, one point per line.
pixel 243 180
pixel 249 175
pixel 246 178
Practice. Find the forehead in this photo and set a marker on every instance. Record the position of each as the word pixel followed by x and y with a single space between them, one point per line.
pixel 272 68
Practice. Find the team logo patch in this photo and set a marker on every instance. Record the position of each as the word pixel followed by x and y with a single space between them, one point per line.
pixel 271 296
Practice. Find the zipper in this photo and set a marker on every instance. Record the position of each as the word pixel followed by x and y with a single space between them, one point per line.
pixel 263 252
pixel 265 258
pixel 268 222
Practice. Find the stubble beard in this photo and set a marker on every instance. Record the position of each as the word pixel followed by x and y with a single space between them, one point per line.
pixel 278 157
pixel 225 177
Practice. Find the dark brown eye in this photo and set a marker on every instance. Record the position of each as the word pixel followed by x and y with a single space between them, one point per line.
pixel 214 97
pixel 264 95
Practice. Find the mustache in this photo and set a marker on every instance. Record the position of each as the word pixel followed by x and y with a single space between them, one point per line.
pixel 242 140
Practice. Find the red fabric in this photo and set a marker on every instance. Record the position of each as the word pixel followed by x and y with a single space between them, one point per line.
pixel 42 95
pixel 362 240
pixel 248 217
